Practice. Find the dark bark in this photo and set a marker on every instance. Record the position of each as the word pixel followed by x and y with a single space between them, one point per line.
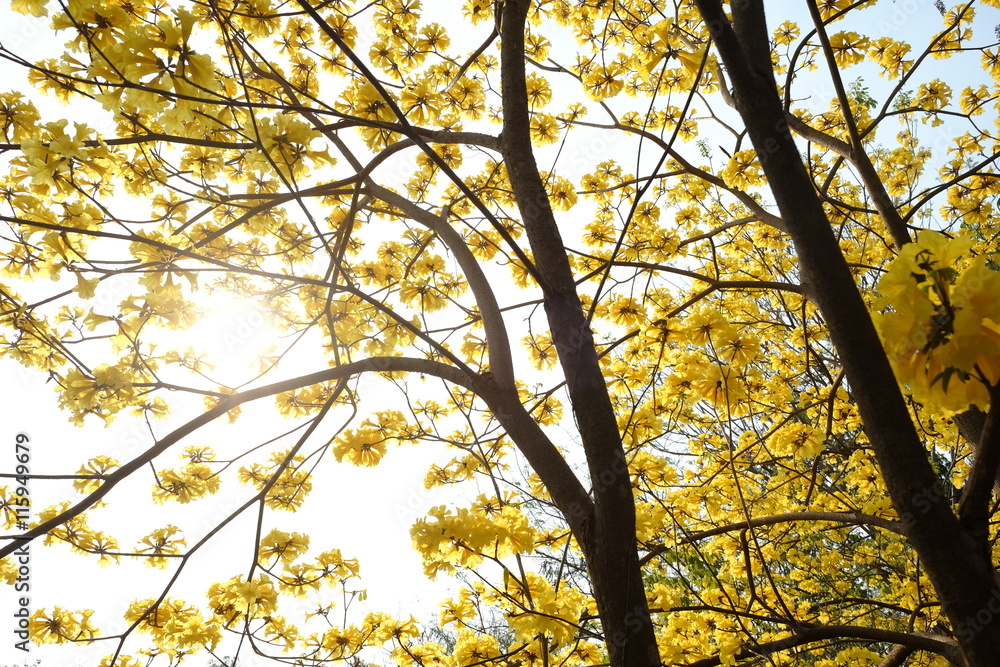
pixel 975 506
pixel 963 578
pixel 897 656
pixel 608 540
pixel 970 425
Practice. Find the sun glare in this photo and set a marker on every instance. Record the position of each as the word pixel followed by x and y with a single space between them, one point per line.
pixel 233 335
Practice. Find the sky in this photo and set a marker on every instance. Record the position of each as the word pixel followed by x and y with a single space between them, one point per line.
pixel 366 513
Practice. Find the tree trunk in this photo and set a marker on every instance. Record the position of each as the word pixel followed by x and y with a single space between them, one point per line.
pixel 608 541
pixel 960 571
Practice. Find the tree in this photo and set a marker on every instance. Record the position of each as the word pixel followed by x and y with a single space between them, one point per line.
pixel 770 311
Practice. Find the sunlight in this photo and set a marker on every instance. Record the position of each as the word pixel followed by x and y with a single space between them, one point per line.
pixel 234 335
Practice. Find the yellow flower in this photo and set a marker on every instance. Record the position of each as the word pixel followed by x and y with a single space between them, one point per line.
pixel 474 649
pixel 935 321
pixel 477 11
pixel 60 626
pixel 562 194
pixel 738 349
pixel 283 546
pixel 160 542
pixel 743 170
pixel 786 33
pixel 191 482
pixel 191 631
pixel 421 103
pixel 332 563
pixel 362 447
pixel 99 465
pixel 342 643
pixel 421 294
pixel 300 579
pixel 848 47
pixel 542 350
pixel 32 7
pixel 706 326
pixel 544 129
pixel 933 95
pixel 428 654
pixel 539 90
pixel 549 412
pixel 627 312
pixel 254 598
pixel 8 570
pixel 604 81
pixel 120 660
pixel 102 544
pixel 199 453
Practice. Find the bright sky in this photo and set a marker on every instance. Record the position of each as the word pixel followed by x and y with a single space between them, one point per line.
pixel 366 513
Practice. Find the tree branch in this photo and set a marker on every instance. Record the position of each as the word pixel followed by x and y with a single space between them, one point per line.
pixel 504 410
pixel 858 157
pixel 850 518
pixel 897 656
pixel 498 342
pixel 609 543
pixel 407 129
pixel 974 512
pixel 917 641
pixel 374 364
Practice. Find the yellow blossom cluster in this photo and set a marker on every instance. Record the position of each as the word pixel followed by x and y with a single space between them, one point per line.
pixel 450 538
pixel 940 322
